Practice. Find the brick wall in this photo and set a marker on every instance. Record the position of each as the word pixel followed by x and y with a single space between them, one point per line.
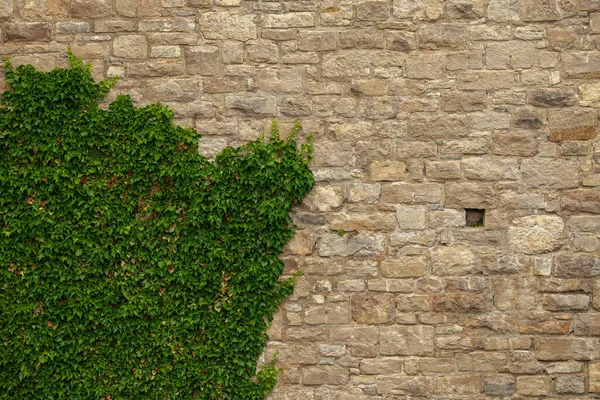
pixel 422 109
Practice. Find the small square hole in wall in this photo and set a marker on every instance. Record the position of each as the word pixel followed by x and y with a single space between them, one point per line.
pixel 475 217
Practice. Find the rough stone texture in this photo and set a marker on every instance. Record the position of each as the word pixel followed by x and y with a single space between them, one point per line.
pixel 420 109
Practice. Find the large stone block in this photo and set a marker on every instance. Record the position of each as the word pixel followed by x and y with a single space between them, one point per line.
pixel 371 309
pixel 577 265
pixel 572 125
pixel 536 234
pixel 440 35
pixel 325 375
pixel 82 9
pixel 400 340
pixel 405 385
pixel 203 60
pixel 29 31
pixel 228 26
pixel 540 10
pixel 514 143
pixel 581 200
pixel 130 46
pixel 356 245
pixel 346 63
pixel 566 348
pixel 411 193
pixel 584 65
pixel 546 173
pixel 470 195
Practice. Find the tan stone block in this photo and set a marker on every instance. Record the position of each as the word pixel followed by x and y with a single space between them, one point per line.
pixel 441 35
pixel 470 195
pixel 566 302
pixel 509 55
pixel 29 31
pixel 594 377
pixel 581 200
pixel 388 171
pixel 463 101
pixel 373 309
pixel 363 221
pixel 289 20
pixel 203 60
pixel 576 266
pixel 405 385
pixel 353 334
pixel 408 303
pixel 585 65
pixel 381 366
pixel 453 261
pixel 533 385
pixel 317 40
pixel 346 63
pixel 550 173
pixel 442 169
pixel 545 327
pixel 171 24
pixel 536 234
pixel 490 169
pixel 596 295
pixel 246 105
pixel 362 39
pixel 438 126
pixel 515 293
pixel 403 267
pixel 302 334
pixel 82 9
pixel 130 46
pixel 406 340
pixel 458 384
pixel 587 324
pixel 325 375
pixel 572 125
pixel 566 348
pixel 325 198
pixel 462 303
pixel 425 66
pixel 486 80
pixel 362 245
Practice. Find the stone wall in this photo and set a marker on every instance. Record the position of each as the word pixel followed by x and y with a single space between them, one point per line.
pixel 422 109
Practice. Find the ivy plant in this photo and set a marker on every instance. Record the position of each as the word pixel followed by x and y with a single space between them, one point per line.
pixel 130 266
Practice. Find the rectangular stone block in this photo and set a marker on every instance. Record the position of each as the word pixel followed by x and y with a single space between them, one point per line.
pixel 470 195
pixel 572 124
pixel 486 80
pixel 566 348
pixel 325 375
pixel 411 193
pixel 405 385
pixel 399 340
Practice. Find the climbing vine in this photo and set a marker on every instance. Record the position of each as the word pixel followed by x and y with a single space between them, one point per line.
pixel 131 267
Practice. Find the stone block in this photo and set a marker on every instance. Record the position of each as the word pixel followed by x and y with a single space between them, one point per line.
pixel 361 39
pixel 388 171
pixel 536 234
pixel 587 324
pixel 325 375
pixel 289 20
pixel 463 101
pixel 585 65
pixel 540 10
pixel 29 31
pixel 453 261
pixel 594 377
pixel 581 200
pixel 381 366
pixel 533 385
pixel 546 173
pixel 463 303
pixel 441 35
pixel 373 11
pixel 403 267
pixel 346 63
pixel 566 302
pixel 362 245
pixel 470 195
pixel 247 105
pixel 130 46
pixel 363 221
pixel 509 55
pixel 576 265
pixel 171 24
pixel 405 385
pixel 411 217
pixel 398 340
pixel 228 26
pixel 203 60
pixel 486 80
pixel 425 66
pixel 490 169
pixel 572 125
pixel 566 348
pixel 482 361
pixel 82 9
pixel 552 97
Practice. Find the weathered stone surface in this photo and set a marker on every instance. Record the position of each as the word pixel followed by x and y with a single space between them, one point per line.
pixel 247 105
pixel 470 195
pixel 576 266
pixel 581 65
pixel 566 348
pixel 346 63
pixel 453 261
pixel 203 60
pixel 570 384
pixel 515 293
pixel 373 309
pixel 566 302
pixel 550 174
pixel 324 375
pixel 130 46
pixel 409 193
pixel 381 366
pixel 589 94
pixel 587 324
pixel 405 385
pixel 514 143
pixel 490 169
pixel 482 361
pixel 536 234
pixel 581 200
pixel 426 66
pixel 533 385
pixel 499 385
pixel 572 125
pixel 388 171
pixel 435 36
pixel 290 20
pixel 594 377
pixel 464 101
pixel 29 31
pixel 540 10
pixel 399 340
pixel 509 55
pixel 486 80
pixel 462 303
pixel 403 267
pixel 6 8
pixel 325 198
pixel 359 245
pixel 229 26
pixel 82 9
pixel 363 221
